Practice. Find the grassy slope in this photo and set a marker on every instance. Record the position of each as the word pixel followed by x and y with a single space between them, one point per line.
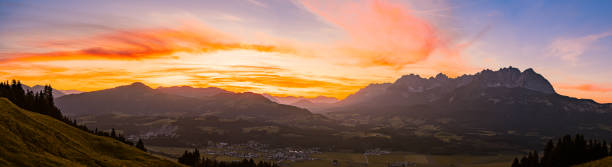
pixel 32 139
pixel 605 162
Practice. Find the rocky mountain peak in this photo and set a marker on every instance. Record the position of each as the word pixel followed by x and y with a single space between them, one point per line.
pixel 441 76
pixel 534 81
pixel 529 71
pixel 409 78
pixel 414 83
pixel 512 77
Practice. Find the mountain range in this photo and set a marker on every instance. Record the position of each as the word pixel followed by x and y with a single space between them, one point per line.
pixel 413 89
pixel 140 99
pixel 507 86
pixel 506 102
pixel 506 109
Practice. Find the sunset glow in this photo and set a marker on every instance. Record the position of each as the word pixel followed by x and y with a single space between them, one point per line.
pixel 328 49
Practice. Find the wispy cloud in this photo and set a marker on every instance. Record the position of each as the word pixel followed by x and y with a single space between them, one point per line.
pixel 258 3
pixel 570 49
pixel 140 44
pixel 229 17
pixel 588 88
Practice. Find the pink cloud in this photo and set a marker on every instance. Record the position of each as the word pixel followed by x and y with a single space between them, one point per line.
pixel 569 49
pixel 387 33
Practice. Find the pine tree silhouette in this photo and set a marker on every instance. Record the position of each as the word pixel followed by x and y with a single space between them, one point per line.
pixel 113 134
pixel 194 159
pixel 566 152
pixel 141 146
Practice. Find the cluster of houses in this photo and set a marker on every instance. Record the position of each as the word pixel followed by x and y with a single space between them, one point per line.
pixel 254 150
pixel 376 151
pixel 401 164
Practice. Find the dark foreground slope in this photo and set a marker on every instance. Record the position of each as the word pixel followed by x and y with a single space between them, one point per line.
pixel 32 139
pixel 605 162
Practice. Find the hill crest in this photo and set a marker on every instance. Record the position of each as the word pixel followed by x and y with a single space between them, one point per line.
pixel 32 139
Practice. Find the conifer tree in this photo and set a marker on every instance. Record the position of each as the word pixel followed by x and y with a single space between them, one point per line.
pixel 566 152
pixel 113 134
pixel 516 163
pixel 141 146
pixel 193 159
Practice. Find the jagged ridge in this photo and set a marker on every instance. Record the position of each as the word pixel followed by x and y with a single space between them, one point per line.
pixel 433 87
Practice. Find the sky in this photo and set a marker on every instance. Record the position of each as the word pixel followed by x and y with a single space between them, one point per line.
pixel 302 47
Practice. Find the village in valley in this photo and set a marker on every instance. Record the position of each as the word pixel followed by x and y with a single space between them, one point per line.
pixel 287 156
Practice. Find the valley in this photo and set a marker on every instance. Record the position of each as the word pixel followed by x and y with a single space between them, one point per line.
pixel 306 83
pixel 491 112
pixel 326 159
pixel 457 126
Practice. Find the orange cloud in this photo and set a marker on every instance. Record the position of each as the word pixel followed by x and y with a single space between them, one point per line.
pixel 386 38
pixel 263 79
pixel 278 85
pixel 63 78
pixel 588 88
pixel 141 44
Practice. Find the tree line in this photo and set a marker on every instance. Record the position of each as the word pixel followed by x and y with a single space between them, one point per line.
pixel 195 159
pixel 567 151
pixel 42 103
pixel 39 102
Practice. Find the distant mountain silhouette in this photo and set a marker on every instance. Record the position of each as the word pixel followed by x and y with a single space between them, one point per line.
pixel 69 92
pixel 56 92
pixel 37 88
pixel 304 103
pixel 315 104
pixel 136 98
pixel 139 99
